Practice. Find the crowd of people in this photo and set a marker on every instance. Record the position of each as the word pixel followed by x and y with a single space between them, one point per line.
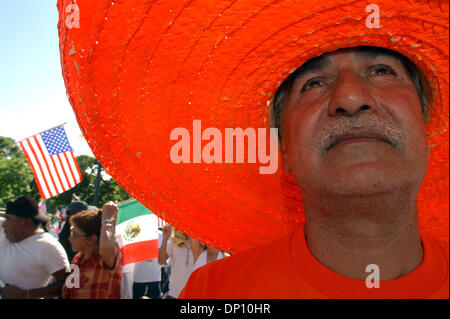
pixel 361 110
pixel 76 256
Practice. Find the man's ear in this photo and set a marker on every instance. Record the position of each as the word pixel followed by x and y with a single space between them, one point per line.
pixel 28 222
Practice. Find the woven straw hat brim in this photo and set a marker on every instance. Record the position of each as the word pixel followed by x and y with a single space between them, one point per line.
pixel 136 70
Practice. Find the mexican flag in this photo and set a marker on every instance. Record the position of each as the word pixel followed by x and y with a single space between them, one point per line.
pixel 136 232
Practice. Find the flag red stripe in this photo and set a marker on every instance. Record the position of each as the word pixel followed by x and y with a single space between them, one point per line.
pixel 40 167
pixel 57 174
pixel 76 166
pixel 70 168
pixel 55 187
pixel 140 251
pixel 38 183
pixel 64 171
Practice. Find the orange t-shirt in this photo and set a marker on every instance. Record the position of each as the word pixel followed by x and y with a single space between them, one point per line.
pixel 286 269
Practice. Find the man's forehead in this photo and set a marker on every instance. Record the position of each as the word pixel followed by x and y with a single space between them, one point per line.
pixel 359 53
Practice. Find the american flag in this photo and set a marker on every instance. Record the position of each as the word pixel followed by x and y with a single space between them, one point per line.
pixel 52 161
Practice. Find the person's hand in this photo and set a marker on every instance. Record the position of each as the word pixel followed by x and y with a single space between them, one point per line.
pixel 166 232
pixel 13 292
pixel 109 210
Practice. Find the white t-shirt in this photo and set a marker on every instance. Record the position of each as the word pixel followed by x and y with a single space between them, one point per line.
pixel 147 271
pixel 181 269
pixel 30 263
pixel 201 260
pixel 126 289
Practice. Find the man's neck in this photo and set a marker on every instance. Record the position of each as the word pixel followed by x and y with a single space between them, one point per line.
pixel 31 232
pixel 352 235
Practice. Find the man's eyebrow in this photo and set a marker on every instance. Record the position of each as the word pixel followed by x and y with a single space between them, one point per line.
pixel 375 53
pixel 312 65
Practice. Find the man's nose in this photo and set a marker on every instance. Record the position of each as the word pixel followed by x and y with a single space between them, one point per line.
pixel 350 96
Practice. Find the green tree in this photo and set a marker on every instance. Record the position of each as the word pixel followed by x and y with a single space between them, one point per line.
pixel 16 177
pixel 108 190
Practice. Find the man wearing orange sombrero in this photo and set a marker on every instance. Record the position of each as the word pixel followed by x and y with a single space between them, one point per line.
pixel 359 94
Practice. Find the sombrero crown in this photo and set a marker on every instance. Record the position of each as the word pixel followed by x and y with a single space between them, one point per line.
pixel 137 70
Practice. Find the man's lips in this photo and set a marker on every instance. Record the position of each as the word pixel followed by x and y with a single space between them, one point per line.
pixel 346 139
pixel 357 140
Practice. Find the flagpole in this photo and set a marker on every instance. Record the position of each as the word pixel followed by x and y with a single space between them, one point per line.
pixel 9 145
pixel 97 183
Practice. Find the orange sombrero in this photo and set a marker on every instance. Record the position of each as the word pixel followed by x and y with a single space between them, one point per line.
pixel 137 70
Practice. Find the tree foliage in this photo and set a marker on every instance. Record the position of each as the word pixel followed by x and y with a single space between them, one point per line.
pixel 109 189
pixel 16 178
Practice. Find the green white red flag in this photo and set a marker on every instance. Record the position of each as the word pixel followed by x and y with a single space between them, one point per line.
pixel 136 232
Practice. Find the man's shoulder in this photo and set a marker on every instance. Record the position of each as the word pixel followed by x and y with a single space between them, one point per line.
pixel 274 249
pixel 46 239
pixel 46 245
pixel 443 247
pixel 444 244
pixel 247 268
pixel 441 243
pixel 437 252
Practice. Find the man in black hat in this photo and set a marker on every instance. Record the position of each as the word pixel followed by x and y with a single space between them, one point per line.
pixel 30 257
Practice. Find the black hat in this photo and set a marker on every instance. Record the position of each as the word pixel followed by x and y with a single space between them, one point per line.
pixel 75 207
pixel 26 207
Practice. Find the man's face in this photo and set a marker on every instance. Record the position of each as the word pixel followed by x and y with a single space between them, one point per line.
pixel 14 227
pixel 353 125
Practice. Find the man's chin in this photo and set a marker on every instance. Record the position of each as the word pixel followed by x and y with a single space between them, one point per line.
pixel 367 179
pixel 12 240
pixel 365 187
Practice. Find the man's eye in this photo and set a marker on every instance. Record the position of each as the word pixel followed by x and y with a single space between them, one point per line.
pixel 311 84
pixel 382 70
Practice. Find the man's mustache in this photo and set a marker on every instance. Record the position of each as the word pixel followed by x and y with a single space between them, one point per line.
pixel 362 127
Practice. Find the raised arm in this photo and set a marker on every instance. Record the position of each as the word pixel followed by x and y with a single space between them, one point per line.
pixel 107 247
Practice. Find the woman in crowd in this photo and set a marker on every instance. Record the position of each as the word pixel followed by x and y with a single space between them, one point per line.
pixel 183 252
pixel 98 257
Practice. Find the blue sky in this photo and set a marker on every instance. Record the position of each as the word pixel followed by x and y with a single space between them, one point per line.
pixel 32 93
